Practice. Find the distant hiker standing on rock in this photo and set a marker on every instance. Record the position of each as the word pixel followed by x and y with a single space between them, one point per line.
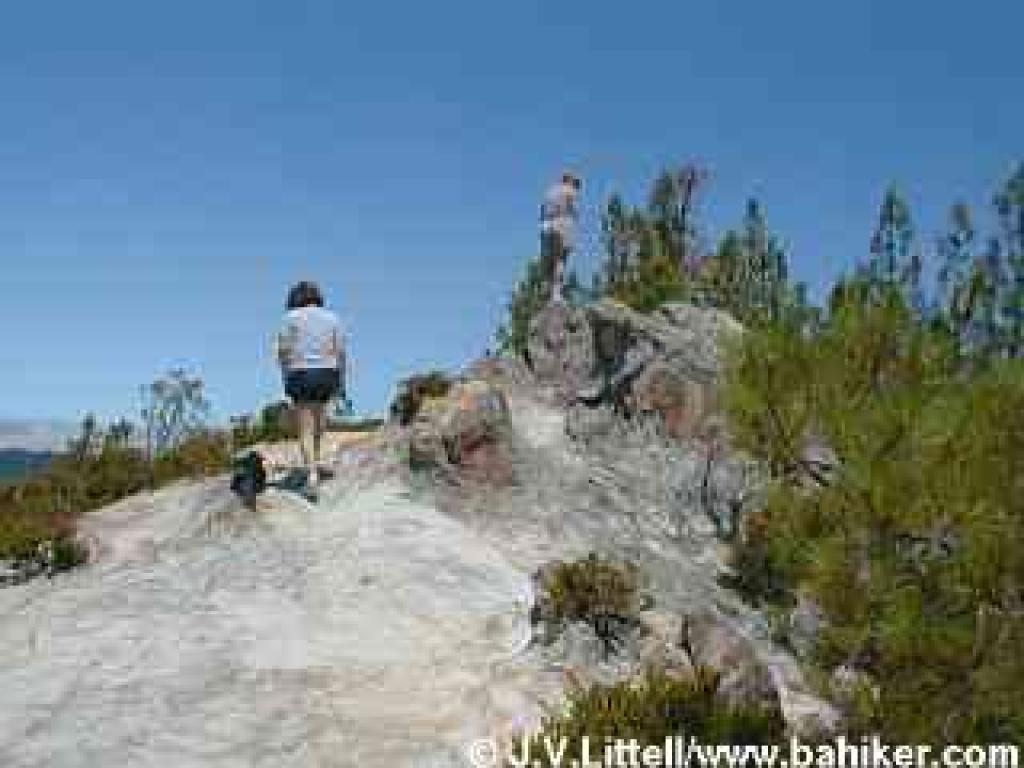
pixel 558 216
pixel 311 351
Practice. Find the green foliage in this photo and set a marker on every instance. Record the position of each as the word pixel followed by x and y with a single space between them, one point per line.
pixel 650 710
pixel 100 467
pixel 529 297
pixel 598 592
pixel 894 261
pixel 273 424
pixel 652 283
pixel 21 535
pixel 413 391
pixel 748 276
pixel 651 257
pixel 174 407
pixel 68 552
pixel 981 294
pixel 1009 204
pixel 651 254
pixel 201 454
pixel 911 545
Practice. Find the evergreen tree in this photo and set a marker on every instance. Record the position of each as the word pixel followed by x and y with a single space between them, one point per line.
pixel 616 242
pixel 766 265
pixel 673 215
pixel 1009 205
pixel 527 300
pixel 957 277
pixel 748 274
pixel 530 297
pixel 894 261
pixel 988 286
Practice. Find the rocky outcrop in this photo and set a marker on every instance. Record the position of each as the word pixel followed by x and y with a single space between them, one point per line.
pixel 463 429
pixel 664 365
pixel 560 348
pixel 291 634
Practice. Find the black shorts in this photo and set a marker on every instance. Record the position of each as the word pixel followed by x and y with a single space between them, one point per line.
pixel 312 385
pixel 552 250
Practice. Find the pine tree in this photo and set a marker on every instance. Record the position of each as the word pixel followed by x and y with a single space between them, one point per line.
pixel 616 242
pixel 1009 205
pixel 957 276
pixel 748 274
pixel 528 299
pixel 766 265
pixel 894 261
pixel 673 215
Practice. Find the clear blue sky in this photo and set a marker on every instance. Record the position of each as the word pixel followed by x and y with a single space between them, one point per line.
pixel 168 169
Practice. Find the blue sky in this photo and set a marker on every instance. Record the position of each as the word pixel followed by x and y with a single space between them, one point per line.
pixel 169 169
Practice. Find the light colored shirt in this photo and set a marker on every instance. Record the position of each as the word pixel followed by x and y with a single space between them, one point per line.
pixel 310 337
pixel 558 212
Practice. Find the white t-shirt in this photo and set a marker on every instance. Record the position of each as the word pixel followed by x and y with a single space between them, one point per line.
pixel 558 212
pixel 310 337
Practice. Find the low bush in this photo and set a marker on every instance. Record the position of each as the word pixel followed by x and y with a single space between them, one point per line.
pixel 273 424
pixel 597 592
pixel 204 453
pixel 650 710
pixel 42 508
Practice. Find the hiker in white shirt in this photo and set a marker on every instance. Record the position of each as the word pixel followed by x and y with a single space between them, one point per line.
pixel 558 217
pixel 311 352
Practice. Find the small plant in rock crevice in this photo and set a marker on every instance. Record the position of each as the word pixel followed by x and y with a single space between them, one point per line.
pixel 598 592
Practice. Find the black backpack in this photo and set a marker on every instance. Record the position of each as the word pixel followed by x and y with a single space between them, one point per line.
pixel 248 476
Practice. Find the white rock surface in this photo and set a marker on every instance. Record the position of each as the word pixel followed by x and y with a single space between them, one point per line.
pixel 367 630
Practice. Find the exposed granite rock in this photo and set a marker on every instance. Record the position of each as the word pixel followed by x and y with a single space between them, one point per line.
pixel 463 430
pixel 560 348
pixel 663 365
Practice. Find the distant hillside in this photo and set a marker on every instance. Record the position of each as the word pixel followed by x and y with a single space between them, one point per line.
pixel 16 463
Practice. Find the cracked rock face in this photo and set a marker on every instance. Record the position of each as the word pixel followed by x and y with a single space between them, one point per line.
pixel 664 365
pixel 560 348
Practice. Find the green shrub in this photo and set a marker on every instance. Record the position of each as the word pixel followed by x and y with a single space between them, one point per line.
pixel 21 535
pixel 273 424
pixel 598 592
pixel 42 508
pixel 68 552
pixel 650 710
pixel 202 454
pixel 654 282
pixel 911 546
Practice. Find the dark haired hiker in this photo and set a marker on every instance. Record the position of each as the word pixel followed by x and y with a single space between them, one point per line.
pixel 311 351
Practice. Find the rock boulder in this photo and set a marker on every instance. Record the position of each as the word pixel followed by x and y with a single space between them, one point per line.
pixel 463 429
pixel 663 365
pixel 560 347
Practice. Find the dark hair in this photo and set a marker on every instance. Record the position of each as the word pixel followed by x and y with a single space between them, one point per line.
pixel 305 294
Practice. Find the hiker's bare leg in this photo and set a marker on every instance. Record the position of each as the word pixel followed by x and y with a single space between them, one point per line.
pixel 550 245
pixel 319 415
pixel 558 277
pixel 306 417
